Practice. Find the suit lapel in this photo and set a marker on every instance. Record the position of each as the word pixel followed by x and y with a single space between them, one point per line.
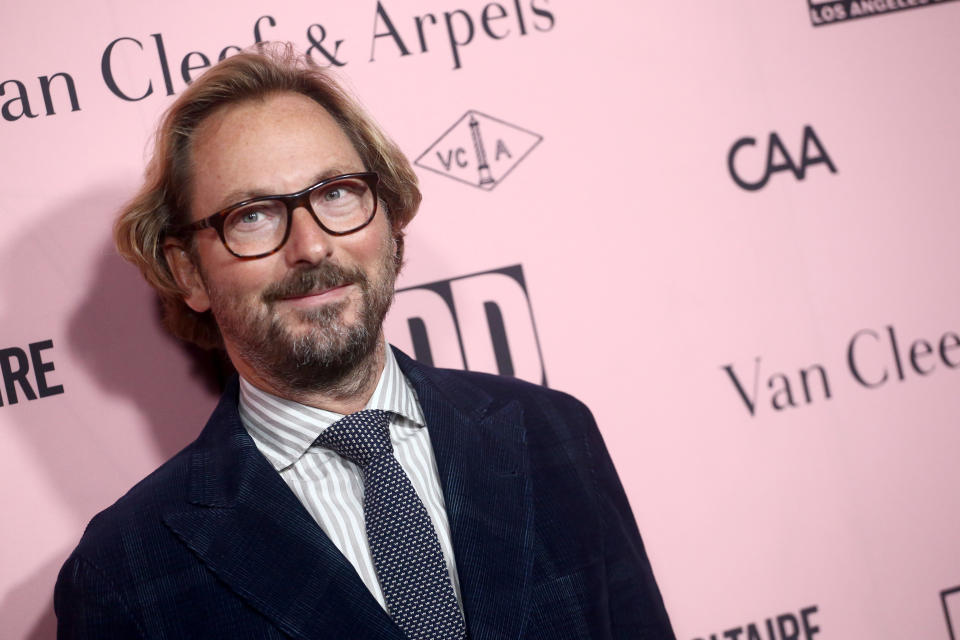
pixel 251 531
pixel 481 457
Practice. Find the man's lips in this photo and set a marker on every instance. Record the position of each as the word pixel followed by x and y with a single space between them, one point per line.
pixel 320 296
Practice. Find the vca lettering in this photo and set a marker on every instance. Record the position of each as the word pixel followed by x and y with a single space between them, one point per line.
pixel 17 369
pixel 786 626
pixel 778 158
pixel 480 322
pixel 479 150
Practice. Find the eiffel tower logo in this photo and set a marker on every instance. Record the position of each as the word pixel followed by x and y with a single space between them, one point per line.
pixel 479 150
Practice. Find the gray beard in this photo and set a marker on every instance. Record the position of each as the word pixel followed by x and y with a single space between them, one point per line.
pixel 333 358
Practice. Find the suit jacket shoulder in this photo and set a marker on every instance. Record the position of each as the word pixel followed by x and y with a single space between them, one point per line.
pixel 213 544
pixel 89 597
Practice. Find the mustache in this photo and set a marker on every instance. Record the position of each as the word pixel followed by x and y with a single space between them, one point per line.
pixel 325 275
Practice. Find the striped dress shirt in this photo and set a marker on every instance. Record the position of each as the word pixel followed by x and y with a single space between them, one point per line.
pixel 330 487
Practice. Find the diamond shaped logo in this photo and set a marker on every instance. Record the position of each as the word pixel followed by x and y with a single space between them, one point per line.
pixel 951 609
pixel 479 150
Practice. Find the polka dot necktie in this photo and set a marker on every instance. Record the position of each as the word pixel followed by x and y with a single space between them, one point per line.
pixel 406 551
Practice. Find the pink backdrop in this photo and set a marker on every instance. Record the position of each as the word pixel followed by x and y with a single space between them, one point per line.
pixel 610 251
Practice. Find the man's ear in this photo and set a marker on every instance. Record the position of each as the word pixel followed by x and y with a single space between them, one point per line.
pixel 187 275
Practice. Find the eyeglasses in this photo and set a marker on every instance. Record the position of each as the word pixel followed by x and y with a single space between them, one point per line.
pixel 260 226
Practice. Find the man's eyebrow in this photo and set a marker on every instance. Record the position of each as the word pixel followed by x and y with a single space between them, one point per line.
pixel 242 195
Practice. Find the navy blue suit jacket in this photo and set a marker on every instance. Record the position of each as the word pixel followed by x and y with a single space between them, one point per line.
pixel 215 545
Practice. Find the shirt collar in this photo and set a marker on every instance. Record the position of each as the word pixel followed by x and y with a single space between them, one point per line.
pixel 283 429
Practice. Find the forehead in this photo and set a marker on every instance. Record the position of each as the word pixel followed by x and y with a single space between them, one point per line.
pixel 278 144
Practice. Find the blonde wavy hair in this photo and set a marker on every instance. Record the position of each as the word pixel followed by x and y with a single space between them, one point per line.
pixel 163 203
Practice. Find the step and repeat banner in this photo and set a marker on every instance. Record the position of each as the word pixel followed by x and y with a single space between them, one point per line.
pixel 730 228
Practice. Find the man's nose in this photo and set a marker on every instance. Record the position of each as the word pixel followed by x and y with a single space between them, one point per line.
pixel 307 242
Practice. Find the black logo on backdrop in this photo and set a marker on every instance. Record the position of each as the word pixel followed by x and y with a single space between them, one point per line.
pixel 479 150
pixel 18 369
pixel 786 626
pixel 831 11
pixel 951 609
pixel 873 359
pixel 478 322
pixel 811 152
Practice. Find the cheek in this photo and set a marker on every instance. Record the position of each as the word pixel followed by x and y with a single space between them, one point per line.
pixel 374 249
pixel 236 280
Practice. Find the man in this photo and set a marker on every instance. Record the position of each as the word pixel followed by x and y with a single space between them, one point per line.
pixel 340 489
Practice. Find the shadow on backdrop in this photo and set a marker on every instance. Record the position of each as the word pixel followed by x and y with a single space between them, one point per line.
pixel 117 330
pixel 32 595
pixel 116 344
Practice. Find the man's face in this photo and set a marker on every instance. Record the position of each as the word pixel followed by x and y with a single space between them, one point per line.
pixel 302 318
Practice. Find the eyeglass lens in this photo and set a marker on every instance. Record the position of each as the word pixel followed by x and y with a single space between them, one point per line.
pixel 259 227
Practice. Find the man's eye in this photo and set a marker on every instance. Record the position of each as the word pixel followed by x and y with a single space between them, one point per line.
pixel 253 218
pixel 334 194
pixel 248 217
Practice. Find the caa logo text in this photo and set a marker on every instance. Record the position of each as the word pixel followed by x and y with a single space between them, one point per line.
pixel 812 152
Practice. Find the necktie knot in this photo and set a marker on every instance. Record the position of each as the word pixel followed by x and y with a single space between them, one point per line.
pixel 359 437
